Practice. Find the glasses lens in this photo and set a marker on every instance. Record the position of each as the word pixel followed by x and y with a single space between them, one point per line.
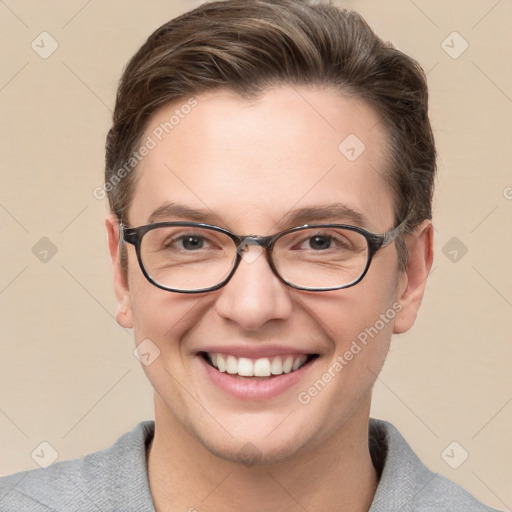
pixel 186 258
pixel 321 258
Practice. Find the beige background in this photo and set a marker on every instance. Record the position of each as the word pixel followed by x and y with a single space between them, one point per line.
pixel 68 375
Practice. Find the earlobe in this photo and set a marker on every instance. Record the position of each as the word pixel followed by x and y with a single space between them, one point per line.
pixel 413 280
pixel 124 311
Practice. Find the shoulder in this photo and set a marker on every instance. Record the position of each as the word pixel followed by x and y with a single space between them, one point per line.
pixel 111 479
pixel 407 484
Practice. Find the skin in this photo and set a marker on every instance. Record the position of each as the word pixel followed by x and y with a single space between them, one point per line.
pixel 249 164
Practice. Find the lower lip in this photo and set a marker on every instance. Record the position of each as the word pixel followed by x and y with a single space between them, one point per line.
pixel 249 388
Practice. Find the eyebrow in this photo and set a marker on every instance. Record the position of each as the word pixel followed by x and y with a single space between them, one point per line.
pixel 337 212
pixel 173 210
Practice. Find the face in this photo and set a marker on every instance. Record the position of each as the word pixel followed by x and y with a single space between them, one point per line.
pixel 259 168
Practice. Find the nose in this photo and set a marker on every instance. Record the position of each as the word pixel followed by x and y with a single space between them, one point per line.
pixel 254 295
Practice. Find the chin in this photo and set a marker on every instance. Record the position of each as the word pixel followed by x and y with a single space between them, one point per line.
pixel 254 454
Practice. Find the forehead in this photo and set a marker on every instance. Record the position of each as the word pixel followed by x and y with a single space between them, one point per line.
pixel 251 163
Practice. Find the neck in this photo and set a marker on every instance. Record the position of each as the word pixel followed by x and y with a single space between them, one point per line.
pixel 336 475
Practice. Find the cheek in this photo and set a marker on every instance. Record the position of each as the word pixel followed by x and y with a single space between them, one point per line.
pixel 161 316
pixel 358 326
pixel 161 321
pixel 358 322
pixel 348 314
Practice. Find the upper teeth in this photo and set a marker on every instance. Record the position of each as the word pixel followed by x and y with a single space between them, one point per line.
pixel 262 367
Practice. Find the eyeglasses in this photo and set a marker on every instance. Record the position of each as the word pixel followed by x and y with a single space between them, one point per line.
pixel 189 257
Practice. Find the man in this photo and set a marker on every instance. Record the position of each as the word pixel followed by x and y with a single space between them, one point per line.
pixel 270 172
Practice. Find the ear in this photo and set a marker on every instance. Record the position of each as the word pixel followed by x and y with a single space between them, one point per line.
pixel 413 280
pixel 124 310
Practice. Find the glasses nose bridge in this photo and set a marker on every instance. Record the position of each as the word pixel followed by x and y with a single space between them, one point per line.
pixel 261 241
pixel 264 242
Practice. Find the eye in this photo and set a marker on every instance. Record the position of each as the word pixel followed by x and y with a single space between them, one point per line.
pixel 184 241
pixel 326 241
pixel 320 242
pixel 191 242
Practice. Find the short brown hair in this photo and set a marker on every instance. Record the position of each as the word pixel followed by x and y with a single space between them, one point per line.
pixel 248 46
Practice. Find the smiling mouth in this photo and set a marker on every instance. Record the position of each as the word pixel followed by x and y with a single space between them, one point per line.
pixel 263 367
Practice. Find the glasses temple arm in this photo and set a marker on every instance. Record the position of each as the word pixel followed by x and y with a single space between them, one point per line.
pixel 391 235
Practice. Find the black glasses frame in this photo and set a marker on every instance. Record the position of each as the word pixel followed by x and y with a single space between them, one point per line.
pixel 375 242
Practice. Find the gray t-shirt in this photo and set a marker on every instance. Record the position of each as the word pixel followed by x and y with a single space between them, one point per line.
pixel 116 480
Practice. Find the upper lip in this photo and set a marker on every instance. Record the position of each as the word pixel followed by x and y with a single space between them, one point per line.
pixel 255 351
